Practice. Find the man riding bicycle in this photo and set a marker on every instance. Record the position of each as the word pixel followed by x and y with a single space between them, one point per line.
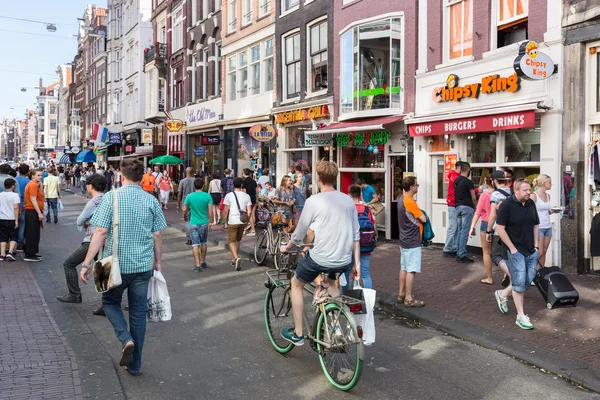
pixel 334 219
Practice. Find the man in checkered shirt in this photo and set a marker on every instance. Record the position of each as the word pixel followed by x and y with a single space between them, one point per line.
pixel 140 222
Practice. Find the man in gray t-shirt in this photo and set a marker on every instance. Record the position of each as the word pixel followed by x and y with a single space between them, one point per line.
pixel 186 186
pixel 497 197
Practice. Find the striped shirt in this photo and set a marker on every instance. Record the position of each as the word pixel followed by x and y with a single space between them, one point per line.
pixel 139 217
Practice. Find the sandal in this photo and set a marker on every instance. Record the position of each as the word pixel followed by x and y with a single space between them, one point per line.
pixel 400 299
pixel 414 303
pixel 485 282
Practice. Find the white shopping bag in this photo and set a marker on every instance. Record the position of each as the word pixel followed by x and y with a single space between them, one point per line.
pixel 367 321
pixel 159 302
pixel 60 204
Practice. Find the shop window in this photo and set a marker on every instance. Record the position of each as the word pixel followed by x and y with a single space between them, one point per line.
pixel 460 28
pixel 371 76
pixel 440 143
pixel 522 145
pixel 291 58
pixel 296 136
pixel 318 56
pixel 481 148
pixel 361 157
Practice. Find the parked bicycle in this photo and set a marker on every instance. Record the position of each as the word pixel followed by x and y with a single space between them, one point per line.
pixel 333 334
pixel 269 240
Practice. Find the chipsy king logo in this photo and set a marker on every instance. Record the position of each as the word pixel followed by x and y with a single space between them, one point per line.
pixel 452 91
pixel 532 64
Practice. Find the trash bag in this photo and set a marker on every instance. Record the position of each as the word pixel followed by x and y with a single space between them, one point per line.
pixel 159 302
pixel 367 320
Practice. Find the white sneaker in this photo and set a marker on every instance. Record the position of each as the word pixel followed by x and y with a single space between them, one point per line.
pixel 524 322
pixel 502 301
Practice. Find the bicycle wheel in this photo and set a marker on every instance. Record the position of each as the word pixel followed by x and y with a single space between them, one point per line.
pixel 342 364
pixel 261 248
pixel 278 314
pixel 281 260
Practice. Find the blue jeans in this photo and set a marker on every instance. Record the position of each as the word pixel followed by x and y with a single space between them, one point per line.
pixel 21 238
pixel 450 246
pixel 464 217
pixel 52 204
pixel 522 270
pixel 365 271
pixel 137 293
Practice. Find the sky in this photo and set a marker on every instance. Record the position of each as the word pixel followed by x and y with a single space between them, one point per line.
pixel 28 57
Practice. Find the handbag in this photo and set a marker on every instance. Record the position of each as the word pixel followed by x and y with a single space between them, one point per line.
pixel 244 217
pixel 106 271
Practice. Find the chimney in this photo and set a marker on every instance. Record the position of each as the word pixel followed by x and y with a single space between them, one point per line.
pixel 41 86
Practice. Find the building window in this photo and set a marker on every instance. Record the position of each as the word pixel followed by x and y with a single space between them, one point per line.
pixel 254 70
pixel 246 12
pixel 264 7
pixel 460 26
pixel 287 5
pixel 317 76
pixel 205 73
pixel 194 13
pixel 53 124
pixel 371 67
pixel 161 28
pixel 243 71
pixel 291 70
pixel 117 65
pixel 268 65
pixel 52 109
pixel 177 88
pixel 231 16
pixel 232 77
pixel 512 21
pixel 193 74
pixel 162 94
pixel 205 8
pixel 177 30
pixel 217 82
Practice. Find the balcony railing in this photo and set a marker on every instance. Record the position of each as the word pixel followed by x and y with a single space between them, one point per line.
pixel 156 52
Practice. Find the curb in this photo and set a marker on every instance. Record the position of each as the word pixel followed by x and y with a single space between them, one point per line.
pixel 573 371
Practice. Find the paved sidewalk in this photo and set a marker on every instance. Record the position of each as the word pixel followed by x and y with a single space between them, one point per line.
pixel 35 360
pixel 565 340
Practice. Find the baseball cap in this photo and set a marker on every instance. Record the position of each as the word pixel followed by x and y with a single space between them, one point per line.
pixel 499 175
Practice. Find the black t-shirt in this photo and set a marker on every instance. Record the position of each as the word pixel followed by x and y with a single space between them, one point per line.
pixel 519 220
pixel 462 192
pixel 250 185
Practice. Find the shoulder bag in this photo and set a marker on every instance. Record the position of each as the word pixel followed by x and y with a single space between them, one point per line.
pixel 106 271
pixel 244 217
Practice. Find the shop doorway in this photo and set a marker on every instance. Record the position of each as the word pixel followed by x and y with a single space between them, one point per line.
pixel 439 207
pixel 397 169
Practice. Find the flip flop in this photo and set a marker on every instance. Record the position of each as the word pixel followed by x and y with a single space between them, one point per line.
pixel 486 283
pixel 414 303
pixel 400 299
pixel 127 354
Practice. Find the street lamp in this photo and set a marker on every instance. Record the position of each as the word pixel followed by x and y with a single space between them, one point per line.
pixel 50 27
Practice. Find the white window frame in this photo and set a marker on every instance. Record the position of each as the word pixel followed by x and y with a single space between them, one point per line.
pixel 205 8
pixel 593 88
pixel 255 89
pixel 265 60
pixel 194 72
pixel 446 35
pixel 284 64
pixel 231 73
pixel 246 12
pixel 264 8
pixel 287 6
pixel 495 17
pixel 161 31
pixel 242 93
pixel 309 26
pixel 205 73
pixel 231 16
pixel 194 13
pixel 177 34
pixel 217 81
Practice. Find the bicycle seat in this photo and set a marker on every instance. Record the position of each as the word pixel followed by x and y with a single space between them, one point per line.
pixel 282 224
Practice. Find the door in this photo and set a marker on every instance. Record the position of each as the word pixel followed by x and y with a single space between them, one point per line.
pixel 397 168
pixel 439 207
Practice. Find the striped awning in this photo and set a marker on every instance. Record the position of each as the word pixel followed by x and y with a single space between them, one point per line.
pixel 65 159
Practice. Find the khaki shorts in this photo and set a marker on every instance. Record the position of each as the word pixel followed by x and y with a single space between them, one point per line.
pixel 235 233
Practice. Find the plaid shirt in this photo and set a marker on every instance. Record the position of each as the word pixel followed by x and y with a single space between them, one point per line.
pixel 139 217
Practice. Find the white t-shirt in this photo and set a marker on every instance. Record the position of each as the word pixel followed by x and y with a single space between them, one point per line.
pixel 234 211
pixel 263 179
pixel 7 204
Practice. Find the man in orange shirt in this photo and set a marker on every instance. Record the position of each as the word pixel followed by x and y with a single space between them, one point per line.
pixel 34 207
pixel 410 224
pixel 149 182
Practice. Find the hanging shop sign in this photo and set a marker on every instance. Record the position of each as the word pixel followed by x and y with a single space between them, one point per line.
pixel 302 115
pixel 318 139
pixel 449 163
pixel 147 135
pixel 362 139
pixel 114 138
pixel 532 64
pixel 516 120
pixel 488 85
pixel 173 125
pixel 262 132
pixel 211 141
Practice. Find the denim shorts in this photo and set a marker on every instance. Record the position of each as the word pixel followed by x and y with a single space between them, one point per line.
pixel 546 232
pixel 522 270
pixel 307 270
pixel 483 227
pixel 199 234
pixel 410 259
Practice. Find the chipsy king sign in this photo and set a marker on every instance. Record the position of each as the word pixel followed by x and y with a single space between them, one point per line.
pixel 452 91
pixel 531 64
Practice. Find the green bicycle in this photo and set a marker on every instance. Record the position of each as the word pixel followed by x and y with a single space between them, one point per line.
pixel 333 334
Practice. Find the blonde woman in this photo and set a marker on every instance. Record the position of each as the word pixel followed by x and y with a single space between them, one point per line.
pixel 284 199
pixel 541 199
pixel 216 191
pixel 483 212
pixel 166 185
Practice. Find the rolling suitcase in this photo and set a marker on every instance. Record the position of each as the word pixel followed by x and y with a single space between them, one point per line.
pixel 555 287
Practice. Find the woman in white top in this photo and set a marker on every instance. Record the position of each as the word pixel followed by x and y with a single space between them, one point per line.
pixel 541 199
pixel 215 190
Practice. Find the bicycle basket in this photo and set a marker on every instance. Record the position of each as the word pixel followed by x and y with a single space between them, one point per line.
pixel 277 217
